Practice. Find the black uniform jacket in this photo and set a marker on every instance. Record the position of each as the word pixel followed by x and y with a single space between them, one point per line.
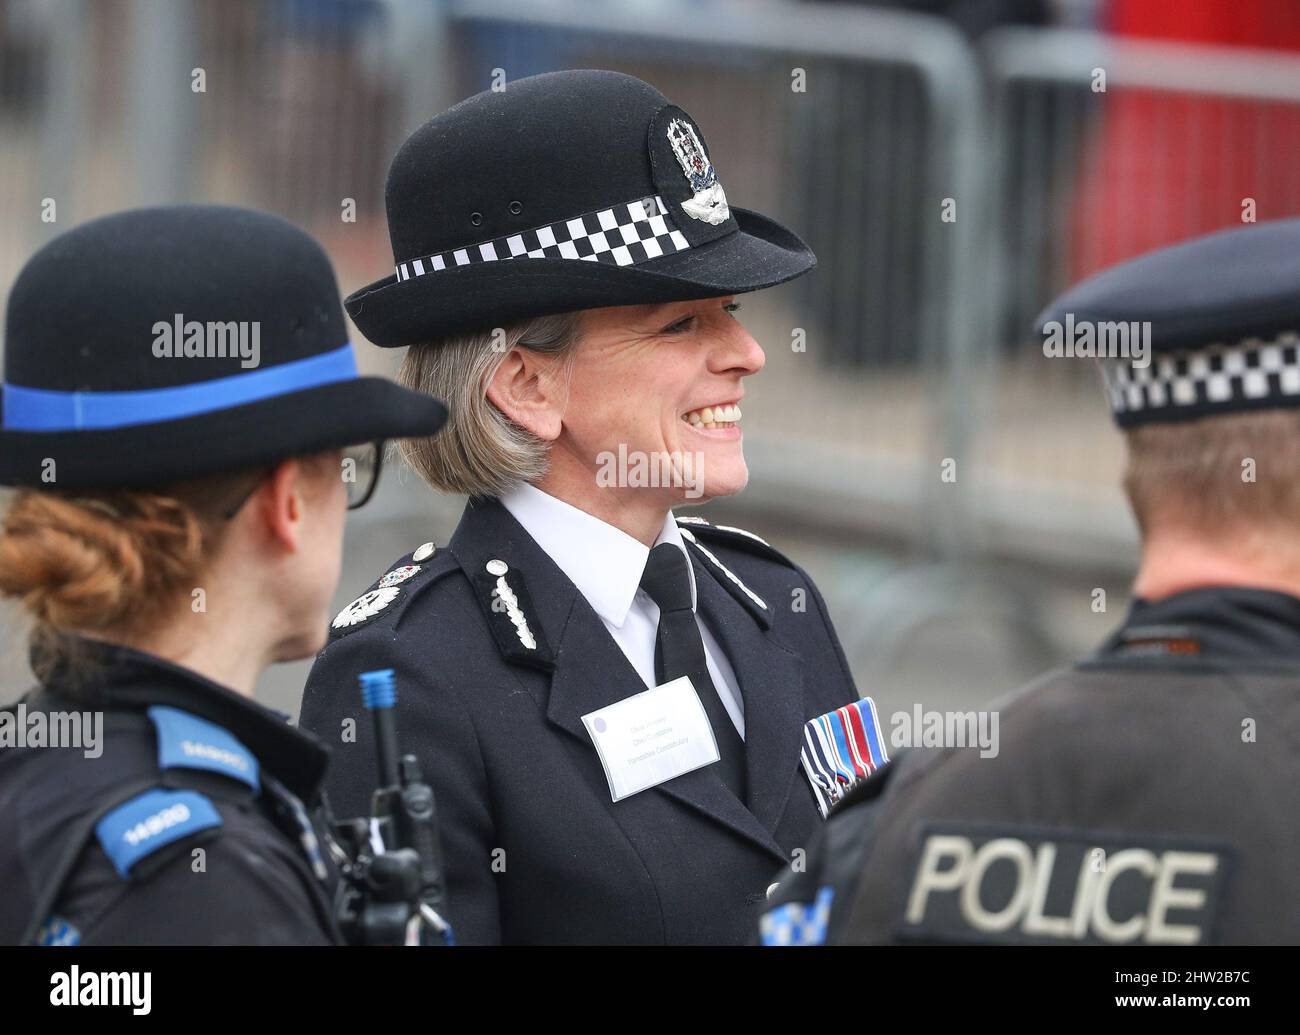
pixel 1149 795
pixel 184 826
pixel 535 850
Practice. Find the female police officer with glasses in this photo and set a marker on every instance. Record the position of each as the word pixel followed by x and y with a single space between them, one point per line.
pixel 179 393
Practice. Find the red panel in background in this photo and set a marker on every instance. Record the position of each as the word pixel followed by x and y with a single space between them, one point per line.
pixel 1163 167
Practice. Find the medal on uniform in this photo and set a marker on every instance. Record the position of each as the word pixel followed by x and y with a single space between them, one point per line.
pixel 841 749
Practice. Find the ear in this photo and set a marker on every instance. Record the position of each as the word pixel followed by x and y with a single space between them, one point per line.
pixel 279 505
pixel 527 389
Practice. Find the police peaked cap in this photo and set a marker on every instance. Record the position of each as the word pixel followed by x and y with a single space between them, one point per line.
pixel 1223 315
pixel 130 358
pixel 569 190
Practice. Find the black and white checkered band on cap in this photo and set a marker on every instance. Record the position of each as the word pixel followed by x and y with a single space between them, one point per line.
pixel 622 235
pixel 1179 385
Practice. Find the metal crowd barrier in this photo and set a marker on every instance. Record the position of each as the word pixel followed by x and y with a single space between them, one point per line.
pixel 1105 148
pixel 949 188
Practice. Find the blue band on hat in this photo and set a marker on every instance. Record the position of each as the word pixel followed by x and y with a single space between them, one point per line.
pixel 40 409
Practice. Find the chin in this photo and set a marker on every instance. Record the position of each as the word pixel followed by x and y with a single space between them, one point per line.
pixel 725 479
pixel 304 644
pixel 728 490
pixel 715 487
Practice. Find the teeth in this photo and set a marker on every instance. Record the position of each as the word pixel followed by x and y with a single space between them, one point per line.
pixel 713 416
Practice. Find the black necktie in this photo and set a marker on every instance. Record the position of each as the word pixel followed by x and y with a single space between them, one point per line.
pixel 679 651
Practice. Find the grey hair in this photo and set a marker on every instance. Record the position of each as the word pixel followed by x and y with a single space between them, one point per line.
pixel 480 451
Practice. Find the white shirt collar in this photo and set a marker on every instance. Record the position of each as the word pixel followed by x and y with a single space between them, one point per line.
pixel 604 562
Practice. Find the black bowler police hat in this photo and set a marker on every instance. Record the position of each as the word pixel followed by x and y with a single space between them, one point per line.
pixel 169 343
pixel 597 189
pixel 1218 316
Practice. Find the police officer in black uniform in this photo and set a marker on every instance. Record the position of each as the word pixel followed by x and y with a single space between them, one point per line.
pixel 178 393
pixel 1147 795
pixel 567 266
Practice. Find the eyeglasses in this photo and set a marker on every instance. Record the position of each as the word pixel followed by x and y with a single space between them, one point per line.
pixel 359 470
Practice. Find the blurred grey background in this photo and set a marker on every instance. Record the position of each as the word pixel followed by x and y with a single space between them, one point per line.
pixel 952 162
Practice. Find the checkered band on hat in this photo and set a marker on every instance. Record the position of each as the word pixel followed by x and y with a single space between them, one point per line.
pixel 622 235
pixel 1252 374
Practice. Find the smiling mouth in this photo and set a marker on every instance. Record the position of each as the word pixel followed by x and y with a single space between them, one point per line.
pixel 726 415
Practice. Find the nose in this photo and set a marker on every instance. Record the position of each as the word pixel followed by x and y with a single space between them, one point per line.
pixel 737 353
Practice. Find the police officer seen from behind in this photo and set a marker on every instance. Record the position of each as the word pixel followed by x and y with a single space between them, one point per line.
pixel 567 271
pixel 179 391
pixel 1151 794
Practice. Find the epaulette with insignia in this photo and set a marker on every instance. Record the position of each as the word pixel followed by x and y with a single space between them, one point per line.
pixel 503 595
pixel 141 826
pixel 733 536
pixel 187 742
pixel 391 592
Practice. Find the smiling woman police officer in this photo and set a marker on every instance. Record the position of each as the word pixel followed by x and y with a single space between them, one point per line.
pixel 177 529
pixel 580 214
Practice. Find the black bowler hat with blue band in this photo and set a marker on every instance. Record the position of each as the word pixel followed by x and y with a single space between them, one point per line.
pixel 170 343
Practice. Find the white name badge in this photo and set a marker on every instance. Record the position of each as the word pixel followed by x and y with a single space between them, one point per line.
pixel 651 737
